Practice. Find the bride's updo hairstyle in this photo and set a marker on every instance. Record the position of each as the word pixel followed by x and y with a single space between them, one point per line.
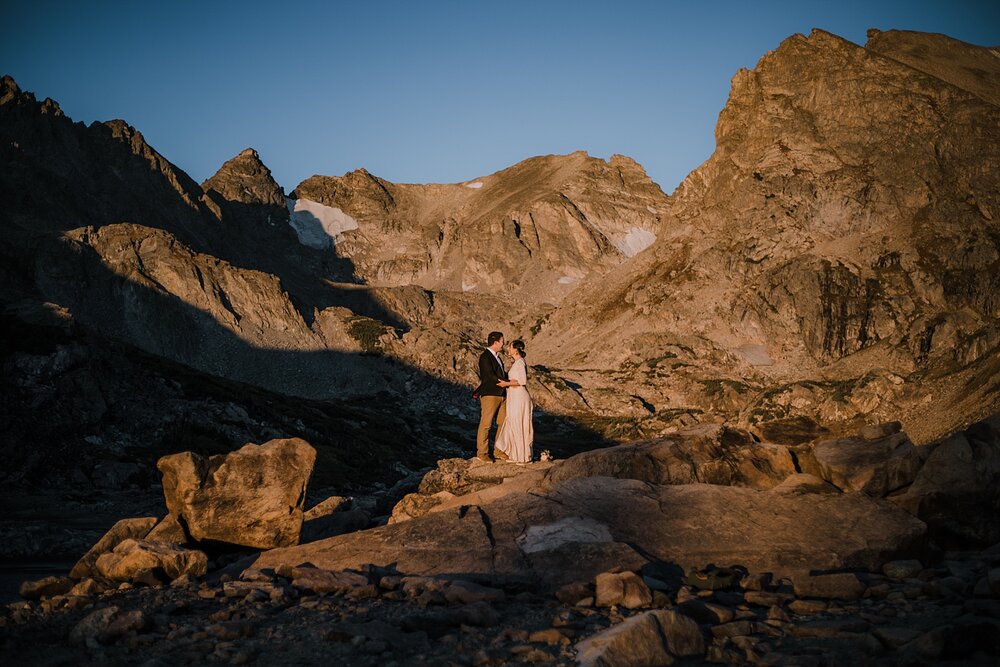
pixel 519 346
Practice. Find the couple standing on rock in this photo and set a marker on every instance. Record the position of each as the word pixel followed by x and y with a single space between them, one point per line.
pixel 503 396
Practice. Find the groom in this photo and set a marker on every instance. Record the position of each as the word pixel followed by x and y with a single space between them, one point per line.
pixel 491 396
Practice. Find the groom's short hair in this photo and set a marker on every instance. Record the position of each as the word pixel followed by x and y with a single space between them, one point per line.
pixel 493 337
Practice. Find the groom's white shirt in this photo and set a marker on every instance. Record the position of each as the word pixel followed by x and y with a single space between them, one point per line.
pixel 495 356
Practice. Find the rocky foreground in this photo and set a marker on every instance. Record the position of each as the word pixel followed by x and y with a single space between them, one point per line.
pixel 703 546
pixel 905 614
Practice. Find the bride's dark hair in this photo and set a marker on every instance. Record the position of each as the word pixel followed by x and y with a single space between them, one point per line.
pixel 519 346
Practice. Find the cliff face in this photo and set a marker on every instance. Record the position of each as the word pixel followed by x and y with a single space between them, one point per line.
pixel 846 224
pixel 861 196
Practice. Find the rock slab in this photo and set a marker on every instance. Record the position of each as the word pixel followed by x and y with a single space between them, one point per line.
pixel 688 525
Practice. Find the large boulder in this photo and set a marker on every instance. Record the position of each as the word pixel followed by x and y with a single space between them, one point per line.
pixel 145 561
pixel 707 453
pixel 597 523
pixel 836 586
pixel 251 497
pixel 875 467
pixel 957 491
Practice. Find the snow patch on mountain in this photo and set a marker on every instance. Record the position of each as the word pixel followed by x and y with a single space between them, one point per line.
pixel 635 241
pixel 316 225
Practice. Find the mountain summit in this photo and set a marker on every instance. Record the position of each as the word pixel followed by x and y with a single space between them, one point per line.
pixel 531 232
pixel 247 180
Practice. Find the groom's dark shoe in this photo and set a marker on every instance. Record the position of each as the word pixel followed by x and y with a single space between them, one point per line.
pixel 485 457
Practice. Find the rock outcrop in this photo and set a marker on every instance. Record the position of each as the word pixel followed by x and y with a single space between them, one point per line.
pixel 141 285
pixel 600 522
pixel 971 68
pixel 453 479
pixel 252 497
pixel 707 454
pixel 950 485
pixel 707 495
pixel 125 529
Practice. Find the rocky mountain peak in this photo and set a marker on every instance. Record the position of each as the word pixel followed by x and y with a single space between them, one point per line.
pixel 8 84
pixel 50 106
pixel 122 130
pixel 841 241
pixel 624 161
pixel 9 90
pixel 245 179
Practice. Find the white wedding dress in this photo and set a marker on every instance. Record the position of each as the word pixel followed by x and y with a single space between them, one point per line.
pixel 517 434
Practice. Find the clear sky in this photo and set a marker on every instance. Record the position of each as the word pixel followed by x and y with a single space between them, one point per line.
pixel 425 91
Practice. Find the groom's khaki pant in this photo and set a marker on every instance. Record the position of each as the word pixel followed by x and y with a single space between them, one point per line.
pixel 490 407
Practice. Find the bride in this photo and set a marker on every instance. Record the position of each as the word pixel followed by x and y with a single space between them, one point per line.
pixel 517 434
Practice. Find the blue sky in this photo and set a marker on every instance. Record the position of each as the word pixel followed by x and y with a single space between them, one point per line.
pixel 425 91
